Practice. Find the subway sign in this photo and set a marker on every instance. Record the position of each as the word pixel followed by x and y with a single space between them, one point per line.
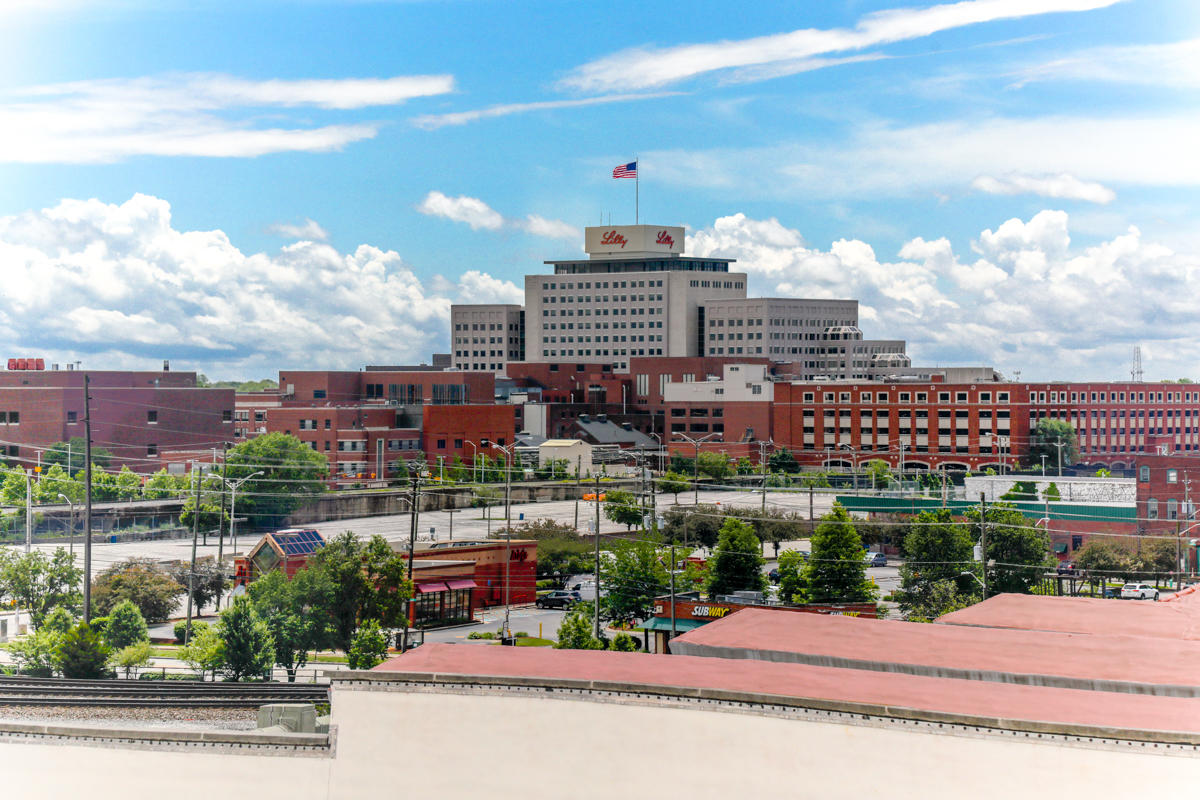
pixel 710 612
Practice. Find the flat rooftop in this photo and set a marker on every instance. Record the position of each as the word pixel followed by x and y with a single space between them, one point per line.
pixel 1052 658
pixel 882 693
pixel 1177 619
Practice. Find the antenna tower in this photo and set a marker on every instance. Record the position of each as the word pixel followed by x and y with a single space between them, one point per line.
pixel 1136 373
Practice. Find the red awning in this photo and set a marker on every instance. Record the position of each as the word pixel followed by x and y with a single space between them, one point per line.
pixel 462 583
pixel 428 588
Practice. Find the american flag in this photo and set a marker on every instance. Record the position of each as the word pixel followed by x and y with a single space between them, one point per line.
pixel 626 170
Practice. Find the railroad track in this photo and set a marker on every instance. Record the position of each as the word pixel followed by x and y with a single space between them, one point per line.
pixel 23 691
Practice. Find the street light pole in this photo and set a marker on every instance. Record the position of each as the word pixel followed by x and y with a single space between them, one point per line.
pixel 1060 446
pixel 509 455
pixel 762 466
pixel 72 537
pixel 233 485
pixel 474 458
pixel 696 463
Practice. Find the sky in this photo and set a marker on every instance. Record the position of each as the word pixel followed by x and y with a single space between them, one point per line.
pixel 244 187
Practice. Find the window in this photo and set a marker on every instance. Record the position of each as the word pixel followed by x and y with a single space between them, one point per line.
pixel 1144 475
pixel 441 444
pixel 227 415
pixel 318 394
pixel 71 418
pixel 151 449
pixel 152 417
pixel 1152 508
pixel 1172 476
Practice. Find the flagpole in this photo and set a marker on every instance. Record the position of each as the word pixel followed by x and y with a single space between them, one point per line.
pixel 637 179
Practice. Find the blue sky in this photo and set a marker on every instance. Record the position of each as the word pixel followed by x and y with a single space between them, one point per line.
pixel 251 186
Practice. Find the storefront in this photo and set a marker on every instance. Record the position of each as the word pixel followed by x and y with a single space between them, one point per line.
pixel 440 603
pixel 691 612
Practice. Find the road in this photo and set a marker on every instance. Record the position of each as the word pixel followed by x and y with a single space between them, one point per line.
pixel 469 523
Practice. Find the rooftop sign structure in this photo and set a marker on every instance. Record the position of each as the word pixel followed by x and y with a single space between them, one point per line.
pixel 633 240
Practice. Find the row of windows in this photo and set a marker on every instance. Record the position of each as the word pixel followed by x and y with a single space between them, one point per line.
pixel 603 285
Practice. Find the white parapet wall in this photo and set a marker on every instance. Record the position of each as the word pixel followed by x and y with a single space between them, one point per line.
pixel 1105 491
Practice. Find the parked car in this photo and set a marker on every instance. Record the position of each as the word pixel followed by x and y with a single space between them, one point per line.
pixel 1067 568
pixel 875 559
pixel 1138 591
pixel 558 599
pixel 1112 592
pixel 773 575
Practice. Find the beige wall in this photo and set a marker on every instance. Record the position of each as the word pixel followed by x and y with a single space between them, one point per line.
pixel 448 745
pixel 52 769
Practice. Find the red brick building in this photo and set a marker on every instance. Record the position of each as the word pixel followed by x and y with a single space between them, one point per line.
pixel 135 415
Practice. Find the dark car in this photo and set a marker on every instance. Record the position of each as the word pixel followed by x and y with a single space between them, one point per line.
pixel 1067 568
pixel 773 575
pixel 558 599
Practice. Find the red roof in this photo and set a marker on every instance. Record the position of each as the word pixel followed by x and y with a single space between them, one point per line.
pixel 775 635
pixel 976 698
pixel 1168 620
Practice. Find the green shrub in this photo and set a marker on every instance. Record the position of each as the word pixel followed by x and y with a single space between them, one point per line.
pixel 368 647
pixel 126 626
pixel 181 628
pixel 82 654
pixel 169 676
pixel 625 643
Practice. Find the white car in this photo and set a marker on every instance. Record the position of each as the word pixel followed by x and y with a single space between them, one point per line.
pixel 1138 591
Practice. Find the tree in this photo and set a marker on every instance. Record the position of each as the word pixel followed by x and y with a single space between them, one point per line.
pixel 561 551
pixel 292 473
pixel 624 643
pixel 36 654
pixel 209 581
pixel 1021 551
pixel 129 484
pixel 204 652
pixel 163 485
pixel 57 454
pixel 1051 493
pixel 575 631
pixel 131 657
pixel 81 653
pixel 368 647
pixel 622 508
pixel 140 580
pixel 697 526
pixel 714 465
pixel 249 650
pixel 41 583
pixel 1021 490
pixel 938 551
pixel 880 472
pixel 368 581
pixel 783 461
pixel 737 561
pixel 297 612
pixel 1044 438
pixel 791 576
pixel 744 466
pixel 836 571
pixel 12 493
pixel 633 577
pixel 211 515
pixel 673 483
pixel 126 626
pixel 814 480
pixel 937 599
pixel 55 481
pixel 104 484
pixel 1102 560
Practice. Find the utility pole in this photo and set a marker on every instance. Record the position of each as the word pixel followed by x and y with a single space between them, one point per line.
pixel 28 510
pixel 597 601
pixel 87 507
pixel 762 466
pixel 414 500
pixel 983 540
pixel 696 464
pixel 221 517
pixel 672 592
pixel 187 632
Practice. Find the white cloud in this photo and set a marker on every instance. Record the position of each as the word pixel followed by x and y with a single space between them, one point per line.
pixel 891 160
pixel 645 68
pixel 479 287
pixel 478 214
pixel 1062 186
pixel 431 122
pixel 1175 64
pixel 188 115
pixel 1028 301
pixel 120 286
pixel 470 210
pixel 309 230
